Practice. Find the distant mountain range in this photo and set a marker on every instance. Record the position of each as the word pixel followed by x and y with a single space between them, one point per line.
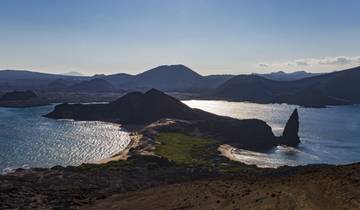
pixel 283 76
pixel 73 73
pixel 334 88
pixel 303 88
pixel 167 78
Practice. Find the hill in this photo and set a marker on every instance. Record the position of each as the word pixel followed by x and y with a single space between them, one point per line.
pixel 283 76
pixel 94 85
pixel 176 78
pixel 23 79
pixel 21 99
pixel 167 78
pixel 337 88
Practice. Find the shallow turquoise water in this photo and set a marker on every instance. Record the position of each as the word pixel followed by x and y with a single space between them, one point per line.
pixel 29 140
pixel 328 135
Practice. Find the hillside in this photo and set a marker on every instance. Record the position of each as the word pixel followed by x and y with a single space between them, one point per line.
pixel 19 99
pixel 283 76
pixel 22 79
pixel 335 88
pixel 178 78
pixel 94 85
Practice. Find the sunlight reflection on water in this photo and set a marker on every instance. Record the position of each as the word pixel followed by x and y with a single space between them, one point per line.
pixel 328 135
pixel 27 138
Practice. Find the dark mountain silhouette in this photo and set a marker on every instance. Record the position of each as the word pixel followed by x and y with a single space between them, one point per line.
pixel 167 78
pixel 94 85
pixel 174 77
pixel 117 80
pixel 21 99
pixel 213 81
pixel 335 88
pixel 283 76
pixel 60 84
pixel 154 105
pixel 178 78
pixel 18 95
pixel 23 79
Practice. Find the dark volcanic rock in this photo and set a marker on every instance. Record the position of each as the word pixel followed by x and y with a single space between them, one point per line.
pixel 133 108
pixel 145 108
pixel 290 135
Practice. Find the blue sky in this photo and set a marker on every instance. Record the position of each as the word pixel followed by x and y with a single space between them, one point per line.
pixel 210 36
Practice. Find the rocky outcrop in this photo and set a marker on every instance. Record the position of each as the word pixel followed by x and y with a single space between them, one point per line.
pixel 290 135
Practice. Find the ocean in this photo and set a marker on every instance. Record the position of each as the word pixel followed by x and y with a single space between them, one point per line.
pixel 328 135
pixel 29 140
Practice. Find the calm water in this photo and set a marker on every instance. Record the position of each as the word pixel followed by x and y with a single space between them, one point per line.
pixel 328 135
pixel 29 140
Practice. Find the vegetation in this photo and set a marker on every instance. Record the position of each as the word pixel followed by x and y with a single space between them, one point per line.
pixel 173 151
pixel 185 149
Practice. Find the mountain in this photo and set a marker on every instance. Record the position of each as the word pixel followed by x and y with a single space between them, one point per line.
pixel 60 84
pixel 167 78
pixel 282 76
pixel 336 88
pixel 18 95
pixel 21 99
pixel 73 73
pixel 117 80
pixel 173 77
pixel 23 79
pixel 215 80
pixel 176 78
pixel 94 85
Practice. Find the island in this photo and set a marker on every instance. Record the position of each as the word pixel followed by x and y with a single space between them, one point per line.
pixel 144 108
pixel 180 158
pixel 20 99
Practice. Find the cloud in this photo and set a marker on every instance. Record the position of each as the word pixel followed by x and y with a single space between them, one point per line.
pixel 302 62
pixel 341 60
pixel 338 60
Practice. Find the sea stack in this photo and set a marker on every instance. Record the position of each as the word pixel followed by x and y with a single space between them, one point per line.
pixel 290 135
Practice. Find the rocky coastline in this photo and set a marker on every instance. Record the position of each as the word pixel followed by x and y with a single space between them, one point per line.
pixel 184 164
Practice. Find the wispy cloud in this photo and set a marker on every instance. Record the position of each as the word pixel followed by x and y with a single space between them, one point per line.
pixel 338 60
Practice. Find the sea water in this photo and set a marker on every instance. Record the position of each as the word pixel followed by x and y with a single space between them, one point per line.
pixel 29 140
pixel 328 135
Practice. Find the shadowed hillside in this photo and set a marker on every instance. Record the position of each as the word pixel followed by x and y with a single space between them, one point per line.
pixel 335 88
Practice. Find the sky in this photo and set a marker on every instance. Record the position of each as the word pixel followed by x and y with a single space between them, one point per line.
pixel 209 36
